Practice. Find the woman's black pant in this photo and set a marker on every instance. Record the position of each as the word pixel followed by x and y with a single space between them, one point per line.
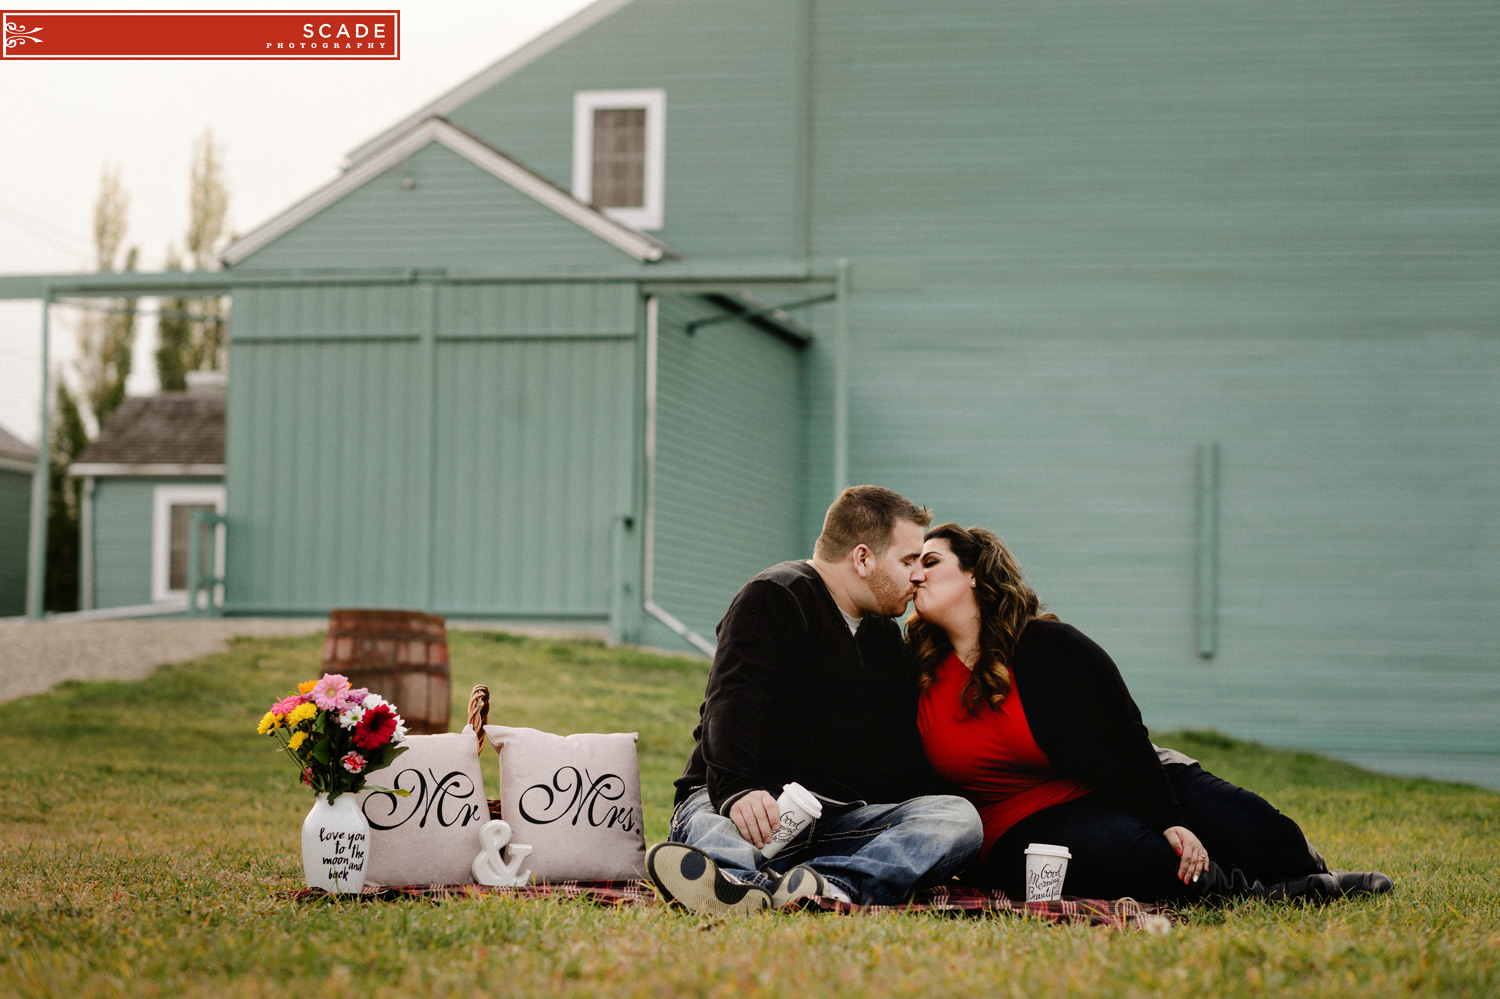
pixel 1115 854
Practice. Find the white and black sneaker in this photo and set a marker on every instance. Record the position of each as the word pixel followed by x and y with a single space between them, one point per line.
pixel 799 882
pixel 687 876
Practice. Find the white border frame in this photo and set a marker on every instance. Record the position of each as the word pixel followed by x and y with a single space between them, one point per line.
pixel 585 102
pixel 163 498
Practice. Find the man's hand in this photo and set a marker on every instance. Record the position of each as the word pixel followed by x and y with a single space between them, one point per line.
pixel 756 816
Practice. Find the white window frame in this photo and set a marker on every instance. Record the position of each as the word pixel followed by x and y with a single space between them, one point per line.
pixel 163 498
pixel 585 102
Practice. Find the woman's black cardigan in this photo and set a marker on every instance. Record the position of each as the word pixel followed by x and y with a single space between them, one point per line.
pixel 1083 717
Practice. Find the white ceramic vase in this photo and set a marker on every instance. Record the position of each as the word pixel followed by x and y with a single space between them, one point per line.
pixel 335 845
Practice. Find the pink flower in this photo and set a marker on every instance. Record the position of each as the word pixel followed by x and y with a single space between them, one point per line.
pixel 284 706
pixel 307 776
pixel 353 762
pixel 376 727
pixel 329 691
pixel 353 698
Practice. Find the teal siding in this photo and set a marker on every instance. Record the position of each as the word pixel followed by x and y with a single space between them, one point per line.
pixel 1088 237
pixel 15 530
pixel 329 312
pixel 487 311
pixel 1357 513
pixel 456 216
pixel 733 78
pixel 123 512
pixel 466 451
pixel 730 459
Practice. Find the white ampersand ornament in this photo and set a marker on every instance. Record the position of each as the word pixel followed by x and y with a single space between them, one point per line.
pixel 489 867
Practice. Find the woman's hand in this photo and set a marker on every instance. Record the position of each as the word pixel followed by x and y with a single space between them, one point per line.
pixel 1190 849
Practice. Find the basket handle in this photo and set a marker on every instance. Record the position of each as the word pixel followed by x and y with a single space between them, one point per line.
pixel 479 713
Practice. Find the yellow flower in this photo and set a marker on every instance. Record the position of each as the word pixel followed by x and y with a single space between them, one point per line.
pixel 267 722
pixel 302 713
pixel 306 686
pixel 298 738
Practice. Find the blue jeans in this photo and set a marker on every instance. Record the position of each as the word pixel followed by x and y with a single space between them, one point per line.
pixel 878 854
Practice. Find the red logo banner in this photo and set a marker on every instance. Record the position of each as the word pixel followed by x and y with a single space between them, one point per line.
pixel 201 34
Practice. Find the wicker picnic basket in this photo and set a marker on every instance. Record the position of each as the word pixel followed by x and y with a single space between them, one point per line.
pixel 479 715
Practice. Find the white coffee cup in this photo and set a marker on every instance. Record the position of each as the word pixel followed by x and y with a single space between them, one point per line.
pixel 1046 867
pixel 798 808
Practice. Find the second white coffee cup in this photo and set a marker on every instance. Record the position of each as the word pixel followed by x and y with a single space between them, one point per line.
pixel 1046 867
pixel 798 808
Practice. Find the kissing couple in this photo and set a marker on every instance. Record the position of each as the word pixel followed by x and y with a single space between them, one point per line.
pixel 943 751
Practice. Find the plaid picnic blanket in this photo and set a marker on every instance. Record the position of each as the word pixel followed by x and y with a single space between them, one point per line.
pixel 1120 914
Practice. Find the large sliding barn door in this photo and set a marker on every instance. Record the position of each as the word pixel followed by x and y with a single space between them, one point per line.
pixel 534 438
pixel 464 449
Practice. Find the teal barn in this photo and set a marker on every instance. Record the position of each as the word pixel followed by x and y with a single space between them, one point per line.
pixel 17 466
pixel 1195 304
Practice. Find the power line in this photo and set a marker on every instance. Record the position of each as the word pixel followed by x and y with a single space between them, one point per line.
pixel 55 236
pixel 85 306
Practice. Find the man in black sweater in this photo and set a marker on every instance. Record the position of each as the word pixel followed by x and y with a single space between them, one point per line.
pixel 809 686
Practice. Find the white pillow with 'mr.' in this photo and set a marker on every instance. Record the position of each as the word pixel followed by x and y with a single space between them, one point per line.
pixel 430 837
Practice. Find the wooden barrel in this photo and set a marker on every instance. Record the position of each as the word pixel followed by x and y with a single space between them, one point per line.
pixel 400 655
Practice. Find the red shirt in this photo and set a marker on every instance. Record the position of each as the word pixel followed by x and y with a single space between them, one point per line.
pixel 991 757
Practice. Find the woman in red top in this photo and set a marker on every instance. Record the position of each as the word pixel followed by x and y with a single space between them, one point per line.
pixel 1034 723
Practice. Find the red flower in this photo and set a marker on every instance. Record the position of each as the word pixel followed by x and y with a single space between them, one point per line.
pixel 353 762
pixel 307 776
pixel 375 728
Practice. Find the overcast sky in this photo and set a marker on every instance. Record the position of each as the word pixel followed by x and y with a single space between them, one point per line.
pixel 285 127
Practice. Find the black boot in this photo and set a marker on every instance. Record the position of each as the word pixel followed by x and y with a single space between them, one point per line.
pixel 1361 882
pixel 1232 882
pixel 1350 882
pixel 1324 886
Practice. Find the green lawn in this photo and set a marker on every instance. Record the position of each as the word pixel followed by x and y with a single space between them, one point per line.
pixel 149 839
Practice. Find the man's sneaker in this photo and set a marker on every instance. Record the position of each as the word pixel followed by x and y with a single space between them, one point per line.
pixel 799 882
pixel 687 876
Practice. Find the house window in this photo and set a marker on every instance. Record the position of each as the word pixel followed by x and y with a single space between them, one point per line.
pixel 619 158
pixel 173 509
pixel 618 153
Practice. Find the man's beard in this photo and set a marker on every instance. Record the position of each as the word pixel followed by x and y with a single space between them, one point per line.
pixel 890 593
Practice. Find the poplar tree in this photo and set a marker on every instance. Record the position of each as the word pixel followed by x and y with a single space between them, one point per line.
pixel 193 332
pixel 174 335
pixel 106 338
pixel 68 438
pixel 106 332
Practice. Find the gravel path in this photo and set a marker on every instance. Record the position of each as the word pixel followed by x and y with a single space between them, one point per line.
pixel 35 655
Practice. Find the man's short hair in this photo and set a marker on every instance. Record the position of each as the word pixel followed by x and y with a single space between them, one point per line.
pixel 865 515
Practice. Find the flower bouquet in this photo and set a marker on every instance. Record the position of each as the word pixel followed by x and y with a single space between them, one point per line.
pixel 335 734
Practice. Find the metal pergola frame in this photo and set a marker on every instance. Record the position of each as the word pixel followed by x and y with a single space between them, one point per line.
pixel 831 282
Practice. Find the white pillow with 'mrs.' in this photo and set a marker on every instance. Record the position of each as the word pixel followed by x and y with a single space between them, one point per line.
pixel 575 800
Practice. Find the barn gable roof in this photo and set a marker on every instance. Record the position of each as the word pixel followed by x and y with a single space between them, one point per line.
pixel 489 76
pixel 15 454
pixel 172 433
pixel 631 241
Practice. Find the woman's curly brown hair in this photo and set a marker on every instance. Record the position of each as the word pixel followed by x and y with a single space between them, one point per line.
pixel 1006 605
